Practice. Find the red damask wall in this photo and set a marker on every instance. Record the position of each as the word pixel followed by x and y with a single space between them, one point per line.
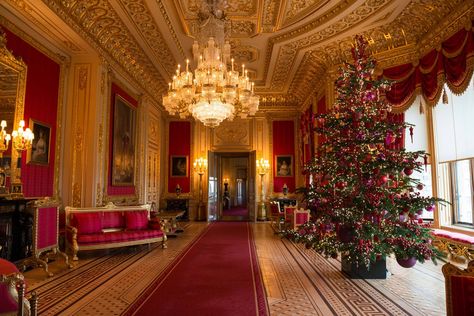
pixel 119 190
pixel 41 104
pixel 179 145
pixel 283 145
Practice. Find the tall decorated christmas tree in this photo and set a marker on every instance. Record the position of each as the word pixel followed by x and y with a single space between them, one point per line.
pixel 364 203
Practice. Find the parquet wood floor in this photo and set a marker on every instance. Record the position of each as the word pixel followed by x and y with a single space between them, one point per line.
pixel 297 281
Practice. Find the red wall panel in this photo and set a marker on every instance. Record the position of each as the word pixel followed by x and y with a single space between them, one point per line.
pixel 118 190
pixel 41 104
pixel 283 145
pixel 179 145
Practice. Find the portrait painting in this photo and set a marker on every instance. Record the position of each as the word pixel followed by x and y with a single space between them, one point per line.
pixel 39 152
pixel 284 166
pixel 123 154
pixel 179 166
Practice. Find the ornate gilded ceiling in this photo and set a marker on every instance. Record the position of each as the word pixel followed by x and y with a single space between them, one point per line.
pixel 289 47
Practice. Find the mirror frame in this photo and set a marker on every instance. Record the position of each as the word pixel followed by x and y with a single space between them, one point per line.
pixel 17 64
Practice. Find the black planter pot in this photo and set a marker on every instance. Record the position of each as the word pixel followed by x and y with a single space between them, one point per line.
pixel 377 270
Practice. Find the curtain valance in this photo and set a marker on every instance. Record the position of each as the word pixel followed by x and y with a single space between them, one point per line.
pixel 453 63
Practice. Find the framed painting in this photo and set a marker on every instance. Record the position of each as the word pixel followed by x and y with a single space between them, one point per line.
pixel 179 166
pixel 39 152
pixel 123 138
pixel 284 166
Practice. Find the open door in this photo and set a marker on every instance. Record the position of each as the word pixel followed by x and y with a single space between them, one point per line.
pixel 251 186
pixel 212 203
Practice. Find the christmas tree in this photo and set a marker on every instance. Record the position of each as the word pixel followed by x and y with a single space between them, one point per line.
pixel 364 202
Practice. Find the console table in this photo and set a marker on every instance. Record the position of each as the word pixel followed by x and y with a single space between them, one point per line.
pixel 178 205
pixel 285 202
pixel 16 228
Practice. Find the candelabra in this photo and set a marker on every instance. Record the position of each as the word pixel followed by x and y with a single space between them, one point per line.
pixel 263 166
pixel 22 139
pixel 200 167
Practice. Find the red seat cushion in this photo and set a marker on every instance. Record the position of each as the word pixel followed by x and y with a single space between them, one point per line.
pixel 121 236
pixel 88 223
pixel 113 219
pixel 136 220
pixel 454 236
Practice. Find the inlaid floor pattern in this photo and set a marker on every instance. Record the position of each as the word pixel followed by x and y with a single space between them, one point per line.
pixel 297 281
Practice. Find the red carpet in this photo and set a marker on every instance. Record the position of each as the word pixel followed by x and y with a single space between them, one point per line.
pixel 217 275
pixel 236 211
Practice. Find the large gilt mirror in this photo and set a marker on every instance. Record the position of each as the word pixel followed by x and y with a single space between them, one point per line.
pixel 12 97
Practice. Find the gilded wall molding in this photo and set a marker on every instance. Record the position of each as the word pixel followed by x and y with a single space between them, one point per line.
pixel 140 15
pixel 100 25
pixel 232 135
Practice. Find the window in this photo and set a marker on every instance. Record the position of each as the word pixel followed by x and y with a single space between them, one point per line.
pixel 425 178
pixel 419 141
pixel 463 194
pixel 455 152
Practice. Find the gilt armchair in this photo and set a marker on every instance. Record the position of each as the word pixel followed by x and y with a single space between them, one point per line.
pixel 459 289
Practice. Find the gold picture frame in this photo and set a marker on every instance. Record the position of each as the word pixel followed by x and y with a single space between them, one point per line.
pixel 179 166
pixel 40 149
pixel 123 138
pixel 284 166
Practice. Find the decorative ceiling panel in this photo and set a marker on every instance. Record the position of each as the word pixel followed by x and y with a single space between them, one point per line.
pixel 288 46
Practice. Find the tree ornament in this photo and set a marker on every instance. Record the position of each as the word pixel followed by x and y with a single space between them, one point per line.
pixel 411 133
pixel 408 171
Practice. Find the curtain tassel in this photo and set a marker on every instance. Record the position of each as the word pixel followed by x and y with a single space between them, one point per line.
pixel 422 108
pixel 445 96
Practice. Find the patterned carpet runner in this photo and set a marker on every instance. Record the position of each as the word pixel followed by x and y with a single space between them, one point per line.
pixel 217 275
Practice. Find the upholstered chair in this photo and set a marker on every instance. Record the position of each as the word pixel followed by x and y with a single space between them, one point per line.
pixel 45 234
pixel 12 290
pixel 459 289
pixel 300 217
pixel 276 216
pixel 289 211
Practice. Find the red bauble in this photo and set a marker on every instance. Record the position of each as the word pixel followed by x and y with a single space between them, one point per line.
pixel 419 186
pixel 383 179
pixel 408 171
pixel 341 184
pixel 407 262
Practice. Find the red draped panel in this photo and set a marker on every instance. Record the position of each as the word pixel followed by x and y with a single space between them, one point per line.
pixel 321 109
pixel 179 145
pixel 404 86
pixel 41 104
pixel 118 190
pixel 450 63
pixel 283 146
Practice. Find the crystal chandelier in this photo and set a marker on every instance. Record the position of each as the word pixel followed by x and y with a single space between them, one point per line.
pixel 214 92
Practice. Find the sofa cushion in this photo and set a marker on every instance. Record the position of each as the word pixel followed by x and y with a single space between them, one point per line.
pixel 136 220
pixel 122 236
pixel 88 223
pixel 113 219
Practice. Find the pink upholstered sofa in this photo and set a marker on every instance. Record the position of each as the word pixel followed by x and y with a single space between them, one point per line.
pixel 111 226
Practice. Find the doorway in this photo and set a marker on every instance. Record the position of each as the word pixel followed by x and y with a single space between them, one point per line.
pixel 232 174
